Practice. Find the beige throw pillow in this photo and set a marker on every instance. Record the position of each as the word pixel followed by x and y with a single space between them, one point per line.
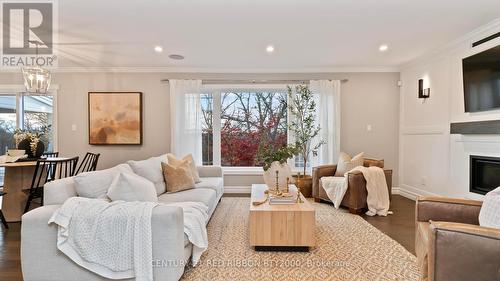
pixel 177 178
pixel 346 163
pixel 172 160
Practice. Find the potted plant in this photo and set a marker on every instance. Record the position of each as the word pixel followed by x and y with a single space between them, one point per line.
pixel 276 160
pixel 31 141
pixel 302 126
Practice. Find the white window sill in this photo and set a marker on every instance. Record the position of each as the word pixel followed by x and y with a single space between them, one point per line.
pixel 251 171
pixel 243 171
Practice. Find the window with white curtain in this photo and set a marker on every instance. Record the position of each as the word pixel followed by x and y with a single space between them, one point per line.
pixel 238 122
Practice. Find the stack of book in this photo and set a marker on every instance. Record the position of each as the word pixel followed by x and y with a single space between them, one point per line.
pixel 282 200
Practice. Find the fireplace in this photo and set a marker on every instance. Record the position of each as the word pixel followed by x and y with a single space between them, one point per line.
pixel 484 174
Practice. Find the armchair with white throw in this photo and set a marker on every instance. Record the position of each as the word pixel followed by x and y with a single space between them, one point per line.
pixel 356 194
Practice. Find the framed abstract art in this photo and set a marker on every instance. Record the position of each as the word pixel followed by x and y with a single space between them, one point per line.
pixel 115 118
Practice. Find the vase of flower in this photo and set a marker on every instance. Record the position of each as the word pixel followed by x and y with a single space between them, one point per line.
pixel 284 173
pixel 31 141
pixel 34 149
pixel 275 161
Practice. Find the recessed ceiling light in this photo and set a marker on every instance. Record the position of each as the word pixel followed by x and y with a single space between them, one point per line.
pixel 270 49
pixel 383 48
pixel 176 57
pixel 158 49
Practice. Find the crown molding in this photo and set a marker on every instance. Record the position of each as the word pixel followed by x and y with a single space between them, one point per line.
pixel 476 34
pixel 14 88
pixel 333 69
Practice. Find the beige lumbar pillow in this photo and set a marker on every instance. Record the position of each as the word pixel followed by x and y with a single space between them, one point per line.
pixel 172 160
pixel 346 163
pixel 177 178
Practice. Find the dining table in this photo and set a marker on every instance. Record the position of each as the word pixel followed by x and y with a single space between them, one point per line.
pixel 17 182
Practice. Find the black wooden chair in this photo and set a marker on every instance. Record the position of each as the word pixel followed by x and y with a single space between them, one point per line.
pixel 50 155
pixel 47 170
pixel 4 222
pixel 89 163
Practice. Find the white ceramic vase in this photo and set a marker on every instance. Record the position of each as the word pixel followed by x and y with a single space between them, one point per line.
pixel 284 172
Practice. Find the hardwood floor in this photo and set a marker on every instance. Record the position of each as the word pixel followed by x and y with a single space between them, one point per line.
pixel 400 227
pixel 10 261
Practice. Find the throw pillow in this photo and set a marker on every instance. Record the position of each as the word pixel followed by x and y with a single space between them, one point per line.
pixel 150 169
pixel 489 215
pixel 131 187
pixel 96 184
pixel 346 163
pixel 192 165
pixel 177 178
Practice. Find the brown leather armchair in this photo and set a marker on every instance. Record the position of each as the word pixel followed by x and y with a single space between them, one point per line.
pixel 450 244
pixel 355 196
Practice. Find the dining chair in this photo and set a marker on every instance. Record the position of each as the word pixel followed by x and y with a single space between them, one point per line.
pixel 89 163
pixel 47 170
pixel 50 155
pixel 4 222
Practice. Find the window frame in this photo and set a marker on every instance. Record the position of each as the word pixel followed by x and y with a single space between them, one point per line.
pixel 19 91
pixel 216 90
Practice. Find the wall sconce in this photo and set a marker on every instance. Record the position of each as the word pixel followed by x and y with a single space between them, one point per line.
pixel 423 93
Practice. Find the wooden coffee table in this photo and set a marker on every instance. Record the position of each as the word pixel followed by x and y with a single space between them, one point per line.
pixel 281 227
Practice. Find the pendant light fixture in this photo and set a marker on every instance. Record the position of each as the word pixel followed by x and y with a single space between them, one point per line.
pixel 36 78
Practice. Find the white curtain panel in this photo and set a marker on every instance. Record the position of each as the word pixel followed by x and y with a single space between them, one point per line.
pixel 328 119
pixel 185 118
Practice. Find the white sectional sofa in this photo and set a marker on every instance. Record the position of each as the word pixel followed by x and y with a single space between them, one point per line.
pixel 42 261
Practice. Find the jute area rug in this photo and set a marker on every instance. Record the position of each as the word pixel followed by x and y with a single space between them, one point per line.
pixel 348 248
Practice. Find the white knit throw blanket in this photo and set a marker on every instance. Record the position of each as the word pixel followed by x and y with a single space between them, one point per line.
pixel 378 193
pixel 111 239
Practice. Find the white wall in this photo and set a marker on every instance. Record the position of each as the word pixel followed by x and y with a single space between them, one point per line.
pixel 433 162
pixel 371 99
pixel 72 110
pixel 367 98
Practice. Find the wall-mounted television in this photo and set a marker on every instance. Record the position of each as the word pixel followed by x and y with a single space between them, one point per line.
pixel 481 74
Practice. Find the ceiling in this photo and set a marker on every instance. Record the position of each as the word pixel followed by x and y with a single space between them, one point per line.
pixel 233 34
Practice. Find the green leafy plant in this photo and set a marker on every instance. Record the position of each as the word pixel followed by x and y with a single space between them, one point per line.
pixel 302 108
pixel 269 155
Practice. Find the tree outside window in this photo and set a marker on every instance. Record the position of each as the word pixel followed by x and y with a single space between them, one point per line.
pixel 250 121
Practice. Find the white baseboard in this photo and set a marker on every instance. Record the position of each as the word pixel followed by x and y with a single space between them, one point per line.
pixel 405 193
pixel 411 192
pixel 237 189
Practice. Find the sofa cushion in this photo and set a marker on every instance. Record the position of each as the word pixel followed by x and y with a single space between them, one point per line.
pixel 204 195
pixel 215 183
pixel 151 170
pixel 96 184
pixel 132 187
